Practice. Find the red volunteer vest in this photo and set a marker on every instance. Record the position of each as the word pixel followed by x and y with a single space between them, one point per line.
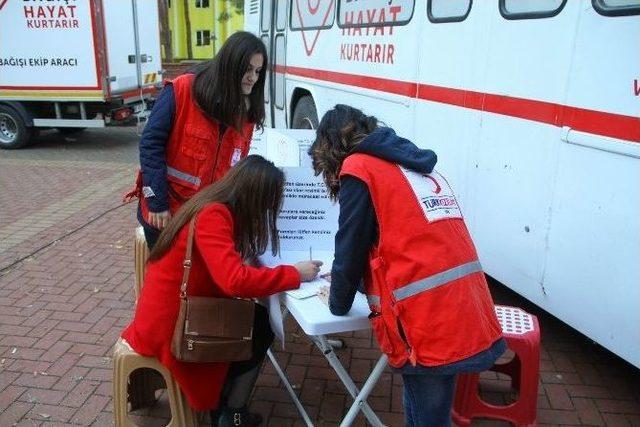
pixel 197 154
pixel 428 295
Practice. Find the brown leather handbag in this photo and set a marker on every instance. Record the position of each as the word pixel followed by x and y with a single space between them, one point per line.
pixel 211 329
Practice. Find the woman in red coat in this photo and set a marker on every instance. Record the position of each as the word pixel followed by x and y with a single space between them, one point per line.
pixel 235 220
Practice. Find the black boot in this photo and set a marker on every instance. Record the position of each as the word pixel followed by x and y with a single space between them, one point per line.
pixel 229 417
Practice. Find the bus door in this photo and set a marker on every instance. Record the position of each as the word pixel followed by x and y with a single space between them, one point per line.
pixel 265 36
pixel 273 24
pixel 597 183
pixel 453 43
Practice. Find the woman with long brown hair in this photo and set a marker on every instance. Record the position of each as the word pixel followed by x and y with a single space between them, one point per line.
pixel 235 222
pixel 200 126
pixel 401 231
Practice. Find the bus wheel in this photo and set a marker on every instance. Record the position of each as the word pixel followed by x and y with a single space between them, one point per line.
pixel 305 116
pixel 13 132
pixel 70 131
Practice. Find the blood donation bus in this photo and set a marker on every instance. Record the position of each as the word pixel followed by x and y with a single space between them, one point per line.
pixel 533 108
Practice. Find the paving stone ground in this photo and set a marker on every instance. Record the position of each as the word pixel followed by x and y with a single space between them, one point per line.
pixel 66 292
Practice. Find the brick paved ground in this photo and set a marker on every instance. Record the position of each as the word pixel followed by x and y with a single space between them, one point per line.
pixel 66 276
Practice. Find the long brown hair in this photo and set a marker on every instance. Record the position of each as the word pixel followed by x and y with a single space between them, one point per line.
pixel 339 133
pixel 217 87
pixel 252 190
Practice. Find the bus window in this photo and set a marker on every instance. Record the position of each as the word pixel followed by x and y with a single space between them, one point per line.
pixel 265 18
pixel 305 16
pixel 373 13
pixel 530 9
pixel 279 76
pixel 281 15
pixel 617 7
pixel 267 80
pixel 448 10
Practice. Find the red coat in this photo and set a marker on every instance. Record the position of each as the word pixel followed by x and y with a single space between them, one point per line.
pixel 424 274
pixel 217 270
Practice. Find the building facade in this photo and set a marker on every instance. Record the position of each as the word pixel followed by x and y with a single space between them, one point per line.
pixel 209 22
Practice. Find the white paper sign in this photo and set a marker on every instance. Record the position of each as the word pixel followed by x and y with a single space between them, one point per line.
pixel 308 220
pixel 282 149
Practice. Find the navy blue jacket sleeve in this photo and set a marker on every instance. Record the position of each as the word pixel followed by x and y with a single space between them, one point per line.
pixel 357 233
pixel 153 144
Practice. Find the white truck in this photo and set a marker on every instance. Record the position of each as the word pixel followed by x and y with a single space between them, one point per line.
pixel 75 64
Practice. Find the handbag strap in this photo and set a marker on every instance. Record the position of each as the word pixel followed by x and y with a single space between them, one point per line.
pixel 187 259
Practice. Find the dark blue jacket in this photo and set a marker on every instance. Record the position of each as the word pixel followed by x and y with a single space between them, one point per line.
pixel 357 223
pixel 153 144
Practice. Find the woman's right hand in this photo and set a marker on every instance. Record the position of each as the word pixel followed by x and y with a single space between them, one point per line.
pixel 308 270
pixel 159 219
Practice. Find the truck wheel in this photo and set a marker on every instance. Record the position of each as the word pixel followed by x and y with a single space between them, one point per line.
pixel 13 132
pixel 70 131
pixel 305 115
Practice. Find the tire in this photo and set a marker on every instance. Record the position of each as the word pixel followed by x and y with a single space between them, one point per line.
pixel 13 131
pixel 305 115
pixel 70 131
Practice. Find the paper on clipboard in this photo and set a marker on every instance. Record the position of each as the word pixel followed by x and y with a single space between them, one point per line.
pixel 307 289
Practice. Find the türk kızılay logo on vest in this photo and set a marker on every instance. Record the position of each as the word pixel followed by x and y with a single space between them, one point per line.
pixel 434 195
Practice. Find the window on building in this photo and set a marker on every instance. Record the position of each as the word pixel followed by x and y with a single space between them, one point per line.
pixel 530 9
pixel 374 13
pixel 305 15
pixel 448 10
pixel 202 3
pixel 203 38
pixel 617 7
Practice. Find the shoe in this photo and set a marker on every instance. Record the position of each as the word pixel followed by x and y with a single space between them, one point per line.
pixel 215 414
pixel 229 417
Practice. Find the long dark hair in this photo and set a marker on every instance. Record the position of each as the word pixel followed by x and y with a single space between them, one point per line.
pixel 217 87
pixel 339 133
pixel 252 190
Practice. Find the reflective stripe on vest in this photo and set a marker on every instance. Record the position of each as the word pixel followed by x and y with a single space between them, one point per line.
pixel 437 280
pixel 373 300
pixel 183 176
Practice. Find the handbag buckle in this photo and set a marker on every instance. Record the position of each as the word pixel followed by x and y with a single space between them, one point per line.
pixel 189 344
pixel 250 337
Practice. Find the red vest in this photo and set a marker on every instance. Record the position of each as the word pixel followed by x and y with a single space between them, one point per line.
pixel 196 153
pixel 428 295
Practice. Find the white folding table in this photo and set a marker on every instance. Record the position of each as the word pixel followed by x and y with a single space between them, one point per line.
pixel 316 321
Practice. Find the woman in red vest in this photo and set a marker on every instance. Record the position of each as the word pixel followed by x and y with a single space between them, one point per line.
pixel 235 220
pixel 200 126
pixel 401 232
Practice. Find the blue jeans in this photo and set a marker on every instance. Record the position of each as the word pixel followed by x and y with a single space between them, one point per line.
pixel 428 391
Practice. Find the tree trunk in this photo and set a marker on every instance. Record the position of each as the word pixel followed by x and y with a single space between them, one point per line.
pixel 187 25
pixel 165 33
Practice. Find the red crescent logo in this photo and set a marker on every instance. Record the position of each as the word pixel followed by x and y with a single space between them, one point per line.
pixel 437 189
pixel 312 10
